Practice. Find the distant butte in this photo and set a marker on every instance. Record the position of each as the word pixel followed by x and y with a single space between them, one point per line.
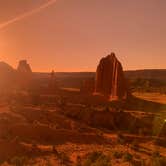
pixel 110 80
pixel 24 67
pixel 24 74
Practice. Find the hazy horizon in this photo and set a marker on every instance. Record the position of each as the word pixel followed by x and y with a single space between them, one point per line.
pixel 72 36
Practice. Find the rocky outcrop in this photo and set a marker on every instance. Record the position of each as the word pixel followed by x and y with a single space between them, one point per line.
pixel 7 77
pixel 24 74
pixel 24 67
pixel 110 80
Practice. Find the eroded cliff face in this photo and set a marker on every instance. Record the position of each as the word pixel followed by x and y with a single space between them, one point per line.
pixel 110 80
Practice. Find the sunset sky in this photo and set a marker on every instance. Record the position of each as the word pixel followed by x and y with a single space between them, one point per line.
pixel 73 35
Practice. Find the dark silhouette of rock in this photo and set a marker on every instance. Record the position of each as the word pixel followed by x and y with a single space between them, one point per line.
pixel 7 77
pixel 110 80
pixel 24 74
pixel 24 67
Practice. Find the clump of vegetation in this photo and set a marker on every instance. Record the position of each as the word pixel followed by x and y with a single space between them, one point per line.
pixel 54 150
pixel 140 162
pixel 78 162
pixel 64 158
pixel 100 133
pixel 157 161
pixel 135 146
pixel 107 109
pixel 156 154
pixel 35 148
pixel 97 159
pixel 117 155
pixel 1 162
pixel 121 139
pixel 19 160
pixel 128 157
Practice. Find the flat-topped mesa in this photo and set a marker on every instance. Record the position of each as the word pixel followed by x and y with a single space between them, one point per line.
pixel 110 80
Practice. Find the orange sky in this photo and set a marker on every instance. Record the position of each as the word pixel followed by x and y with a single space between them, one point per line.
pixel 72 35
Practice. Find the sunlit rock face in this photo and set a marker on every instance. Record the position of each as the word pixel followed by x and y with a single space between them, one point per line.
pixel 110 80
pixel 24 74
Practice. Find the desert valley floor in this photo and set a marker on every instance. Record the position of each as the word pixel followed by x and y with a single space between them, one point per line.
pixel 49 132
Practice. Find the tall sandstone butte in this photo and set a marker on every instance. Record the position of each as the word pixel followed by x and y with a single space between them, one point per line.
pixel 24 67
pixel 110 80
pixel 24 74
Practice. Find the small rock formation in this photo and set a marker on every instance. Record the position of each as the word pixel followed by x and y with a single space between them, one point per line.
pixel 24 74
pixel 52 86
pixel 24 67
pixel 110 80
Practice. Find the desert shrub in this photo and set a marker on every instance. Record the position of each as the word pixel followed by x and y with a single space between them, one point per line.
pixel 65 159
pixel 54 150
pixel 35 148
pixel 117 155
pixel 100 133
pixel 107 109
pixel 140 131
pixel 127 157
pixel 48 163
pixel 135 146
pixel 156 154
pixel 6 136
pixel 1 161
pixel 158 161
pixel 78 162
pixel 121 139
pixel 138 163
pixel 97 159
pixel 19 160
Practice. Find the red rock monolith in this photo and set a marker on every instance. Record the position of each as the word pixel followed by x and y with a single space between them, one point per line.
pixel 24 74
pixel 110 80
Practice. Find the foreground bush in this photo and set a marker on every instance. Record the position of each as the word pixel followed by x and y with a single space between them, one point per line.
pixel 19 160
pixel 127 157
pixel 117 155
pixel 158 161
pixel 97 159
